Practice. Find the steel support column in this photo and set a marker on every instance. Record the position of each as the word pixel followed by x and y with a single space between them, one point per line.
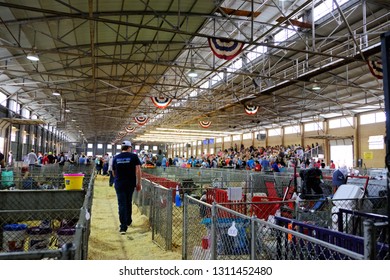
pixel 385 39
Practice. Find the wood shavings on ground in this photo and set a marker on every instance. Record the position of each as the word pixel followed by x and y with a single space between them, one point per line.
pixel 105 242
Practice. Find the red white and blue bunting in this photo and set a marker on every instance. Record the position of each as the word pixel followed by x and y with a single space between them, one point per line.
pixel 205 124
pixel 129 128
pixel 251 109
pixel 224 48
pixel 376 68
pixel 141 120
pixel 161 103
pixel 121 134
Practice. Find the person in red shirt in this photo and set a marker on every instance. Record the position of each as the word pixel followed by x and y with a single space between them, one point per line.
pixel 257 166
pixel 45 159
pixel 332 165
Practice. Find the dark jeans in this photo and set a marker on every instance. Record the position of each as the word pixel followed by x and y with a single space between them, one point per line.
pixel 111 180
pixel 125 197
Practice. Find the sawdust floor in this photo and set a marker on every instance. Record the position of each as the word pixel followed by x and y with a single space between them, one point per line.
pixel 105 242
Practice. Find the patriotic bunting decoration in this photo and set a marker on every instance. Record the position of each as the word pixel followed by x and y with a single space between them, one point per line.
pixel 161 103
pixel 205 124
pixel 251 109
pixel 224 48
pixel 141 120
pixel 376 69
pixel 129 128
pixel 121 134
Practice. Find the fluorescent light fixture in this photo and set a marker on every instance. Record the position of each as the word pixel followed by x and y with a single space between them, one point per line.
pixel 32 56
pixel 192 74
pixel 316 87
pixel 67 110
pixel 56 93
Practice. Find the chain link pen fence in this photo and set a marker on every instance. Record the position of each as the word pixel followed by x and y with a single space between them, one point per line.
pixel 42 223
pixel 217 232
pixel 263 197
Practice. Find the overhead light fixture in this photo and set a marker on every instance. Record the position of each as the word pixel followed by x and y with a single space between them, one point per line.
pixel 316 87
pixel 56 93
pixel 67 110
pixel 192 74
pixel 32 56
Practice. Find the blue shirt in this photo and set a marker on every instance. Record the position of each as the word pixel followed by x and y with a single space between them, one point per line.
pixel 124 165
pixel 275 167
pixel 251 163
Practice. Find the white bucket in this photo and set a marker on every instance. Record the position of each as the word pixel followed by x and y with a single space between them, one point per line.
pixel 14 236
pixel 39 238
pixel 65 235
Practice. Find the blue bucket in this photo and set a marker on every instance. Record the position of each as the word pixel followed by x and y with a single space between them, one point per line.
pixel 14 236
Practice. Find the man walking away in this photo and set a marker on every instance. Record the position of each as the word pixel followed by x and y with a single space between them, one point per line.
pixel 32 158
pixel 126 168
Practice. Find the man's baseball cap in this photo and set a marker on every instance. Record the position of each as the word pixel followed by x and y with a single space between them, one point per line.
pixel 126 143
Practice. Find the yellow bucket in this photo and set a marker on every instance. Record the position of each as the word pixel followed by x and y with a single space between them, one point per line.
pixel 74 181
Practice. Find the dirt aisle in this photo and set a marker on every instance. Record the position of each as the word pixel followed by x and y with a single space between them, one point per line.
pixel 105 242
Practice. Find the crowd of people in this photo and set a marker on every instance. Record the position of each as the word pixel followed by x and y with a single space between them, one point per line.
pixel 39 158
pixel 270 158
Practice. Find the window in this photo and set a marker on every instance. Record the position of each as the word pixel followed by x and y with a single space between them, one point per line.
pixel 211 151
pixel 247 136
pixel 146 147
pixel 1 144
pixel 373 118
pixel 155 148
pixel 215 79
pixel 3 99
pixel 226 139
pixel 26 113
pixel 314 126
pixel 235 66
pixel 100 146
pixel 341 122
pixel 24 137
pixel 236 137
pixel 109 146
pixel 218 140
pixel 199 143
pixel 292 129
pixel 326 7
pixel 275 132
pixel 376 142
pixel 13 134
pixel 90 146
pixel 118 147
pixel 137 147
pixel 12 105
pixel 283 35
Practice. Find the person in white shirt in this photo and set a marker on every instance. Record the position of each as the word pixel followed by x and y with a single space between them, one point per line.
pixel 10 159
pixel 32 158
